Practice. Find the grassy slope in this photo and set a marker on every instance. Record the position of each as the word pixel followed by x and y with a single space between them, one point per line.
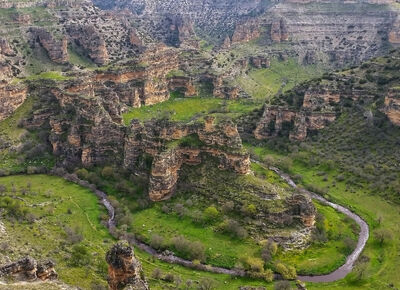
pixel 384 262
pixel 280 77
pixel 49 200
pixel 10 130
pixel 186 109
pixel 222 250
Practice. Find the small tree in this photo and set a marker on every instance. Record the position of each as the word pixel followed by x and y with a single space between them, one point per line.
pixel 211 214
pixel 283 285
pixel 157 273
pixel 107 172
pixel 382 235
pixel 156 241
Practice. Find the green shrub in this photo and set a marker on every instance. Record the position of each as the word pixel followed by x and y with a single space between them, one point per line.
pixel 211 214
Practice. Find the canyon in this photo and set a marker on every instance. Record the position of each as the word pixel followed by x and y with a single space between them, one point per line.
pixel 174 106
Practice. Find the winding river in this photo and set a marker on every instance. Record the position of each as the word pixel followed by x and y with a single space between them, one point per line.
pixel 338 274
pixel 346 268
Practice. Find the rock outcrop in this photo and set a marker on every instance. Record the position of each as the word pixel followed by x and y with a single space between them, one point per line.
pixel 5 48
pixel 392 106
pixel 124 269
pixel 28 269
pixel 56 49
pixel 317 110
pixel 246 32
pixel 170 148
pixel 11 97
pixel 260 62
pixel 91 40
pixel 279 31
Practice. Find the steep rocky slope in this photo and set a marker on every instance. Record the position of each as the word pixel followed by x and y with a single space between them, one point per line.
pixel 314 105
pixel 334 32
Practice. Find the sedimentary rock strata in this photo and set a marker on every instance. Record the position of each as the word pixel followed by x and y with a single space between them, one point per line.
pixel 11 97
pixel 88 37
pixel 221 141
pixel 56 49
pixel 124 269
pixel 392 106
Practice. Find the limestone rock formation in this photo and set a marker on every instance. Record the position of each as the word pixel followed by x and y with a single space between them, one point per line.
pixel 260 62
pixel 88 37
pixel 124 269
pixel 28 269
pixel 11 97
pixel 5 48
pixel 57 50
pixel 279 31
pixel 221 141
pixel 392 106
pixel 246 32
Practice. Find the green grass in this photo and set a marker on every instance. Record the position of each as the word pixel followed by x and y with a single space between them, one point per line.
pixel 9 127
pixel 384 263
pixel 221 249
pixel 179 109
pixel 49 75
pixel 76 57
pixel 280 77
pixel 187 109
pixel 225 251
pixel 49 199
pixel 326 257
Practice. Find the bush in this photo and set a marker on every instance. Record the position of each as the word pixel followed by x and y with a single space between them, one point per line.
pixel 80 256
pixel 169 277
pixel 157 273
pixel 211 214
pixel 188 249
pixel 283 285
pixel 156 241
pixel 197 217
pixel 287 272
pixel 253 264
pixel 206 284
pixel 269 250
pixel 233 228
pixel 108 172
pixel 74 235
pixel 227 207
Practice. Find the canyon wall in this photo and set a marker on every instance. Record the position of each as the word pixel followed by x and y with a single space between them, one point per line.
pixel 11 97
pixel 392 106
pixel 173 144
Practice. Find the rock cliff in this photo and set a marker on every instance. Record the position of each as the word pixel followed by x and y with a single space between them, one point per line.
pixel 88 37
pixel 57 50
pixel 11 97
pixel 124 269
pixel 172 144
pixel 392 106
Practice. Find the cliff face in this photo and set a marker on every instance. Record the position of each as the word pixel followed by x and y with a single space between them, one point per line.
pixel 336 32
pixel 221 141
pixel 94 43
pixel 392 106
pixel 315 112
pixel 11 97
pixel 213 19
pixel 57 50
